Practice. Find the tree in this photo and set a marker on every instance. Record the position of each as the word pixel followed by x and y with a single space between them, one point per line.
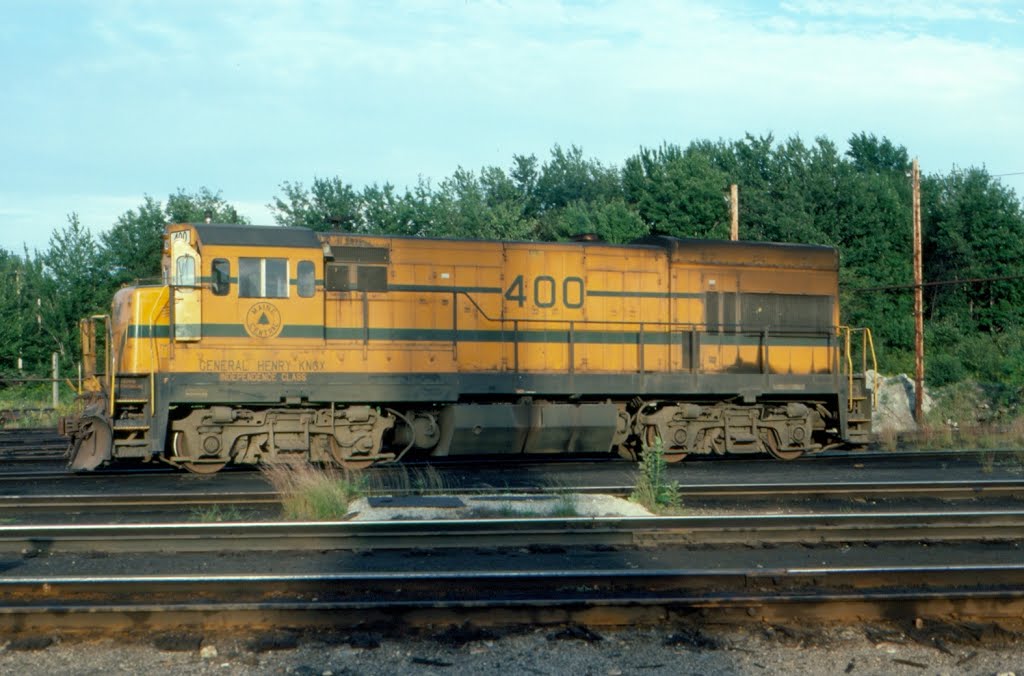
pixel 567 177
pixel 330 204
pixel 72 285
pixel 677 193
pixel 133 247
pixel 183 207
pixel 974 229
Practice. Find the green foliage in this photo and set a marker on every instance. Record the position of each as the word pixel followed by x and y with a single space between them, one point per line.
pixel 132 248
pixel 183 207
pixel 70 284
pixel 653 490
pixel 676 193
pixel 217 514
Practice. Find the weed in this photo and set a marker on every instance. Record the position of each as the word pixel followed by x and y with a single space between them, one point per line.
pixel 311 493
pixel 403 479
pixel 888 439
pixel 216 514
pixel 565 507
pixel 653 491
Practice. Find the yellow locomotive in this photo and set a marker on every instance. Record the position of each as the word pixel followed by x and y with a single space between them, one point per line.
pixel 265 344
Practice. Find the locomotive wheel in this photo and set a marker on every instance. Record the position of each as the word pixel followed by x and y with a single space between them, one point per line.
pixel 651 439
pixel 180 450
pixel 348 463
pixel 785 455
pixel 203 467
pixel 773 449
pixel 93 447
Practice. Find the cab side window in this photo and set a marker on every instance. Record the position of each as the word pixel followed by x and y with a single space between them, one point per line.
pixel 221 278
pixel 263 277
pixel 185 271
pixel 307 280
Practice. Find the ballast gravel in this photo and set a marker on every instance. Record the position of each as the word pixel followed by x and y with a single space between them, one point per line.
pixel 755 649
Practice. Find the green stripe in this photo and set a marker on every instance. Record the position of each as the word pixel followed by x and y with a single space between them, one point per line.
pixel 642 294
pixel 148 331
pixel 444 289
pixel 579 337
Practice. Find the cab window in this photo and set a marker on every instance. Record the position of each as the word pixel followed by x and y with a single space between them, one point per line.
pixel 220 283
pixel 306 281
pixel 185 271
pixel 263 277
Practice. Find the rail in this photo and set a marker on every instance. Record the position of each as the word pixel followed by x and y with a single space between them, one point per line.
pixel 687 335
pixel 867 349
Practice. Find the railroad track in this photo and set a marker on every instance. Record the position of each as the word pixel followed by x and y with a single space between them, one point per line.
pixel 600 571
pixel 733 529
pixel 32 445
pixel 692 495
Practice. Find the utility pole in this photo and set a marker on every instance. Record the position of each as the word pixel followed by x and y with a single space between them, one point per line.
pixel 734 211
pixel 918 298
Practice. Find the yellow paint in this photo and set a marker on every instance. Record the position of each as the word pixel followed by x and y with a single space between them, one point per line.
pixel 556 279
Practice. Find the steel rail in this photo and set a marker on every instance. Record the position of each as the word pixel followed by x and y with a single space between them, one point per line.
pixel 688 492
pixel 149 600
pixel 606 531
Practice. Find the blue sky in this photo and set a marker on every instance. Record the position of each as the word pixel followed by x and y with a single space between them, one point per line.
pixel 105 102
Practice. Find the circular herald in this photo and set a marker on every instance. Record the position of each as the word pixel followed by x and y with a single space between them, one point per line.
pixel 263 321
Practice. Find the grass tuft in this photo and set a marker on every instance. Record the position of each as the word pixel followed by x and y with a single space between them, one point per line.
pixel 408 480
pixel 311 493
pixel 216 514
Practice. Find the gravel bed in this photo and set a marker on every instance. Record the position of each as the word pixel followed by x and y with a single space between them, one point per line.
pixel 560 650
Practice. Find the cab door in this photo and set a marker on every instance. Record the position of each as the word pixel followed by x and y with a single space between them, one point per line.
pixel 185 266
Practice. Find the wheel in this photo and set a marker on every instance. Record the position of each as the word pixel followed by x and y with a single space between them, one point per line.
pixel 772 444
pixel 348 462
pixel 652 439
pixel 204 467
pixel 196 467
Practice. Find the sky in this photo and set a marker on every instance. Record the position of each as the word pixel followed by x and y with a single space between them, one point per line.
pixel 103 103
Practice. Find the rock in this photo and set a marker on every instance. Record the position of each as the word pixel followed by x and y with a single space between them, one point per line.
pixel 208 652
pixel 895 410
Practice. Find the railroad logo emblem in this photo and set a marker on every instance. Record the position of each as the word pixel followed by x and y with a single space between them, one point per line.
pixel 263 321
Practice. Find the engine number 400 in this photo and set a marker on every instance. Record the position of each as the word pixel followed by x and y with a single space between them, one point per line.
pixel 546 291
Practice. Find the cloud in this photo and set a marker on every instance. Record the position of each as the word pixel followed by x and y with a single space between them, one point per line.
pixel 966 10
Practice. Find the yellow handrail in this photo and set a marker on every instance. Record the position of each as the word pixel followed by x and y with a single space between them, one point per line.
pixel 153 355
pixel 867 348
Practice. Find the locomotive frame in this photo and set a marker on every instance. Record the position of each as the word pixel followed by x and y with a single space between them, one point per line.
pixel 265 344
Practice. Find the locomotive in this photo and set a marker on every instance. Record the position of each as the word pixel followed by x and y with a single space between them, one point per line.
pixel 268 344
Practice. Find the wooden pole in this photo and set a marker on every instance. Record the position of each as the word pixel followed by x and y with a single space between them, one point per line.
pixel 56 384
pixel 734 211
pixel 918 299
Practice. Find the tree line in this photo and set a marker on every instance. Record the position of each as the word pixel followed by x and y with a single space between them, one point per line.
pixel 857 199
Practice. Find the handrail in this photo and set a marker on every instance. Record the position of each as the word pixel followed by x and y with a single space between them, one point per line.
pixel 867 347
pixel 726 329
pixel 165 295
pixel 643 329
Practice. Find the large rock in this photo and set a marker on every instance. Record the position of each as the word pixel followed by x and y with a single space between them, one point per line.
pixel 895 410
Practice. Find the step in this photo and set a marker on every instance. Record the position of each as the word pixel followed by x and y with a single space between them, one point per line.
pixel 131 442
pixel 132 401
pixel 120 426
